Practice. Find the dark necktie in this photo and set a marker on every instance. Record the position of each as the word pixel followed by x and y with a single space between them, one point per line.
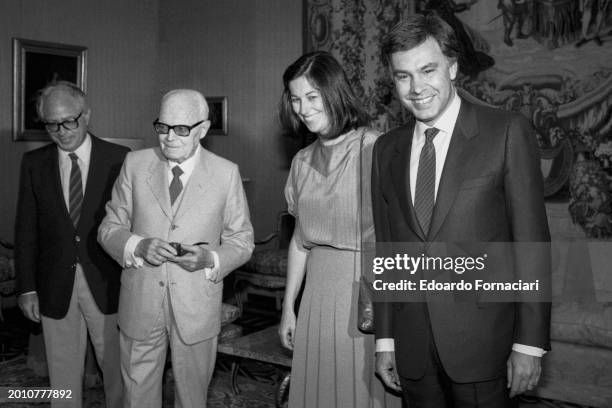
pixel 425 191
pixel 75 196
pixel 175 186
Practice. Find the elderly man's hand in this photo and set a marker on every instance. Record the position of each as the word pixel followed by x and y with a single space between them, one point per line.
pixel 196 258
pixel 155 251
pixel 523 372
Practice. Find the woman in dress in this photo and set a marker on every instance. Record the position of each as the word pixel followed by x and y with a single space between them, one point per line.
pixel 328 193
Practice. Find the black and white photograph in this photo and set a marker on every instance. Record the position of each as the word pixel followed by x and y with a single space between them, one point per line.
pixel 306 204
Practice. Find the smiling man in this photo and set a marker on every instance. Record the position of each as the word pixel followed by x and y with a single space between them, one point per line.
pixel 65 279
pixel 177 193
pixel 457 172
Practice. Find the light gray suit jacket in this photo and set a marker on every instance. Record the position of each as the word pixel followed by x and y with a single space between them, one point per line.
pixel 213 209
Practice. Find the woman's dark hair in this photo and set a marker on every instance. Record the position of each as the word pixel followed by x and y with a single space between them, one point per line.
pixel 326 75
pixel 414 30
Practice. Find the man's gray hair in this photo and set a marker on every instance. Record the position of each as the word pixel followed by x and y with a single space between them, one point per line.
pixel 65 86
pixel 198 100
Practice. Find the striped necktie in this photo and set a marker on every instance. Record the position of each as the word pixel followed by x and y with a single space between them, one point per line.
pixel 76 190
pixel 425 191
pixel 175 186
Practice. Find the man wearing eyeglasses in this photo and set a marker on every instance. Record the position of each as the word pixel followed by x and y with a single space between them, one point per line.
pixel 178 222
pixel 64 277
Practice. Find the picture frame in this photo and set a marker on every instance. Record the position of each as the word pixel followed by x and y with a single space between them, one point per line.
pixel 217 106
pixel 35 64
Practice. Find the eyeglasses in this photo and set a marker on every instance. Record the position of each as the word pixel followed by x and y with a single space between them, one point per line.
pixel 179 130
pixel 70 124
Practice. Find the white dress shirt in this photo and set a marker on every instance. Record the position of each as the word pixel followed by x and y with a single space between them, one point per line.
pixel 446 124
pixel 83 153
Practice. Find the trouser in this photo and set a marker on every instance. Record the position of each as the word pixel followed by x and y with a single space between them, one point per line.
pixel 143 361
pixel 66 346
pixel 437 390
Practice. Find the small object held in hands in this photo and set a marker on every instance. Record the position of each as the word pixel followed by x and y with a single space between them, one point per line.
pixel 179 249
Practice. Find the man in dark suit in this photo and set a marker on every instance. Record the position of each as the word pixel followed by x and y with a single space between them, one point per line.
pixel 456 173
pixel 65 279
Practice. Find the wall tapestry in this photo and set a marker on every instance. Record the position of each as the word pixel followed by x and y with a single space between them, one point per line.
pixel 551 60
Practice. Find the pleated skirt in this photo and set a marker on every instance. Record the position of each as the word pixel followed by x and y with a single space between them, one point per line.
pixel 333 362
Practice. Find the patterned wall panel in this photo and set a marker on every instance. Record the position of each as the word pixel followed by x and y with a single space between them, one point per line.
pixel 551 60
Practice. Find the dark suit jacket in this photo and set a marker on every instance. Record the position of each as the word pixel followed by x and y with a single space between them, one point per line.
pixel 491 190
pixel 48 246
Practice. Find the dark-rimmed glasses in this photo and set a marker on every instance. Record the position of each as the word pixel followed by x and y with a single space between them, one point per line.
pixel 179 130
pixel 69 124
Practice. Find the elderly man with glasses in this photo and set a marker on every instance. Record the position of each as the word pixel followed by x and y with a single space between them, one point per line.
pixel 178 222
pixel 64 277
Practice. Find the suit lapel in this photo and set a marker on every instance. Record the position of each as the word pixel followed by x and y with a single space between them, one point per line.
pixel 196 188
pixel 158 182
pixel 466 128
pixel 93 177
pixel 400 172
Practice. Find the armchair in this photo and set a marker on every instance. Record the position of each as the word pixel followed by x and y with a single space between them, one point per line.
pixel 266 272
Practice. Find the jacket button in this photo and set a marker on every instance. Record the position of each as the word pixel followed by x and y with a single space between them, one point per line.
pixel 161 283
pixel 77 239
pixel 173 227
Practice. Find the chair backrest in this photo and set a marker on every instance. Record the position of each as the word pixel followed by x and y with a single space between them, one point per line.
pixel 285 227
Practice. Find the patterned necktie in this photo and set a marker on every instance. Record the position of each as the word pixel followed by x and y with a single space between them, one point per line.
pixel 75 196
pixel 175 186
pixel 424 194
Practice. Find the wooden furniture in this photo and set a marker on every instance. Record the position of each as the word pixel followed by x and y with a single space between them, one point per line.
pixel 264 346
pixel 265 273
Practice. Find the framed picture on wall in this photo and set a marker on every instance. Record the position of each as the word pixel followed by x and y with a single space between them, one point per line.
pixel 35 64
pixel 217 106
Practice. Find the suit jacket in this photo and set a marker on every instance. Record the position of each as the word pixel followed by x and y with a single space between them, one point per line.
pixel 213 209
pixel 491 190
pixel 48 246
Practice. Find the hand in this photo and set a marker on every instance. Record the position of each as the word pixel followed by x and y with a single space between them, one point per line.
pixel 28 304
pixel 286 330
pixel 155 251
pixel 385 368
pixel 523 372
pixel 197 258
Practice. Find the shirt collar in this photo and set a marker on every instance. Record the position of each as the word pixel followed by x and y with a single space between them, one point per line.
pixel 83 151
pixel 188 165
pixel 446 122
